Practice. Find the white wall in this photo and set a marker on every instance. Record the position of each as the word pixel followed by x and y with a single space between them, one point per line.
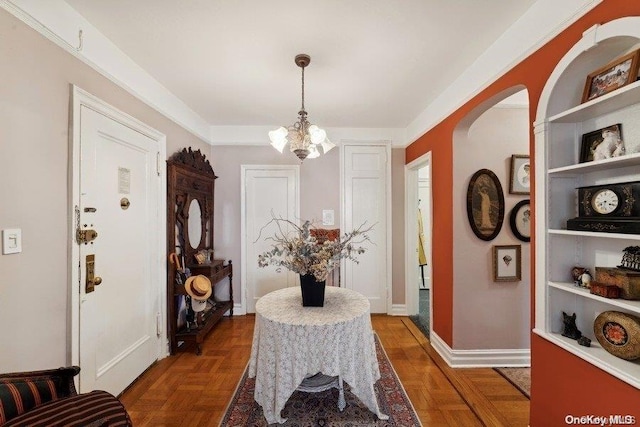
pixel 488 314
pixel 34 164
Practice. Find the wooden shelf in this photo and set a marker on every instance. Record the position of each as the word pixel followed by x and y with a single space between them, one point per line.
pixel 596 166
pixel 209 319
pixel 605 104
pixel 593 234
pixel 624 304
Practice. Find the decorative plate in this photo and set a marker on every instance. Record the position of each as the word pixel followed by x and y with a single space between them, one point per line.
pixel 618 333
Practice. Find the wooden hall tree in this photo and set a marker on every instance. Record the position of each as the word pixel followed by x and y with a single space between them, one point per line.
pixel 190 207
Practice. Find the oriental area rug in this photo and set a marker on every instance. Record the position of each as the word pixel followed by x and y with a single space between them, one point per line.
pixel 519 377
pixel 321 409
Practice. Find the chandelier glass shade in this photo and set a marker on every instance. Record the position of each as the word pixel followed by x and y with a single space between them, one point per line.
pixel 304 139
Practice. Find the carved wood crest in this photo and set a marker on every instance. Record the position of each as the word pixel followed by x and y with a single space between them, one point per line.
pixel 193 159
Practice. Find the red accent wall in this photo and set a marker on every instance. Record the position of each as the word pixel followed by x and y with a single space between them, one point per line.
pixel 562 384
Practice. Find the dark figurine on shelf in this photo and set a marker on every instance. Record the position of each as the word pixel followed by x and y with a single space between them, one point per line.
pixel 570 328
pixel 584 341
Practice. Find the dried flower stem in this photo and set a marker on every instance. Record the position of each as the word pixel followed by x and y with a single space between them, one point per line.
pixel 301 253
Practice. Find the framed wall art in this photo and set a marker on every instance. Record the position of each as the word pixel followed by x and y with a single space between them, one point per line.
pixel 506 263
pixel 520 176
pixel 520 220
pixel 485 204
pixel 602 144
pixel 612 76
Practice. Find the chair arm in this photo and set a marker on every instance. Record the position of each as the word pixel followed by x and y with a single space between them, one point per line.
pixel 66 386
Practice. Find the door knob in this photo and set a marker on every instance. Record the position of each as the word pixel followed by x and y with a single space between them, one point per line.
pixel 91 280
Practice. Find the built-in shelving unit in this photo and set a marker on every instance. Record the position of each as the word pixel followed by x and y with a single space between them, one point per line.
pixel 558 174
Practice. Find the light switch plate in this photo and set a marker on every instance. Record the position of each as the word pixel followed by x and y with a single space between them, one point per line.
pixel 328 217
pixel 11 241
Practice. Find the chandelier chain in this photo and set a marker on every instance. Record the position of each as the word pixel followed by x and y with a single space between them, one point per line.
pixel 302 88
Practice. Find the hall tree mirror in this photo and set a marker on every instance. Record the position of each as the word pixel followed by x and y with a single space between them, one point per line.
pixel 190 236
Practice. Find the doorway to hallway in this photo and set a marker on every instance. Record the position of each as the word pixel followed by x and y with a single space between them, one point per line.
pixel 418 268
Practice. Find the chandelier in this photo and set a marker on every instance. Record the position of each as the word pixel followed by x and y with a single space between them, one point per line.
pixel 303 137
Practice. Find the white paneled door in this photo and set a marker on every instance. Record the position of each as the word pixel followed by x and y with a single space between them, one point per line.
pixel 267 191
pixel 366 174
pixel 118 270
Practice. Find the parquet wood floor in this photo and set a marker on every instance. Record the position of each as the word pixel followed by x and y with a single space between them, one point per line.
pixel 189 390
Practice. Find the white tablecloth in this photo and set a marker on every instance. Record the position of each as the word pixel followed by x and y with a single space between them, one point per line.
pixel 291 342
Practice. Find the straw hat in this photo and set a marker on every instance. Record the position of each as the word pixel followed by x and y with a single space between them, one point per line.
pixel 199 287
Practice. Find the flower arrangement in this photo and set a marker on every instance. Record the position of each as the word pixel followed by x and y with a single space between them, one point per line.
pixel 297 250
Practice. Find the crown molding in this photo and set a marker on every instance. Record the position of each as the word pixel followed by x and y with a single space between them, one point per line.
pixel 61 24
pixel 259 135
pixel 540 24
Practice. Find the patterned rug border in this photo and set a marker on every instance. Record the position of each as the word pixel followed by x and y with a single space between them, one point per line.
pixel 515 383
pixel 235 396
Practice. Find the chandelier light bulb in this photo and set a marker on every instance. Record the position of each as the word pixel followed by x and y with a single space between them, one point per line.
pixel 278 138
pixel 317 135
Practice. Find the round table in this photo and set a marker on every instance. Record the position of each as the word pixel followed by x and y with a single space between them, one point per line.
pixel 292 342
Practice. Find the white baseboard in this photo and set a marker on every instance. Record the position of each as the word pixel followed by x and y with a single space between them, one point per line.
pixel 239 309
pixel 398 310
pixel 480 358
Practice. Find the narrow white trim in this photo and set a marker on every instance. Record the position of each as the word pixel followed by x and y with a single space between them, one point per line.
pixel 80 98
pixel 480 358
pixel 120 357
pixel 398 310
pixel 60 23
pixel 239 309
pixel 258 135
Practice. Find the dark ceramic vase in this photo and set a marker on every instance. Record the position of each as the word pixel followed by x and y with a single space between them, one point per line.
pixel 312 291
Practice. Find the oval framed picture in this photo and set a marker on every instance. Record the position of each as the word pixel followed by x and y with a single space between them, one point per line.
pixel 485 204
pixel 520 220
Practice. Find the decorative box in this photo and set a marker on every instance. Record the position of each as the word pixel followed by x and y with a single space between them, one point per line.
pixel 627 280
pixel 604 290
pixel 618 333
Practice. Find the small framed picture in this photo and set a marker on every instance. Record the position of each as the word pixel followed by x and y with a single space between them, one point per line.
pixel 612 76
pixel 506 263
pixel 520 178
pixel 602 144
pixel 520 220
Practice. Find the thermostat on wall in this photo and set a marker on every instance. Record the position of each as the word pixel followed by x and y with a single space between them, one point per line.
pixel 327 217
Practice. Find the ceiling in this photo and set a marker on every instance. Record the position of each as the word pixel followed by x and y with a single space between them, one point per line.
pixel 374 63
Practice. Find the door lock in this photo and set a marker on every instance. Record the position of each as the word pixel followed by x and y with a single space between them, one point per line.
pixel 92 280
pixel 86 236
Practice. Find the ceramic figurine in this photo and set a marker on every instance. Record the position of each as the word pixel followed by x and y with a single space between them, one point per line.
pixel 586 279
pixel 576 273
